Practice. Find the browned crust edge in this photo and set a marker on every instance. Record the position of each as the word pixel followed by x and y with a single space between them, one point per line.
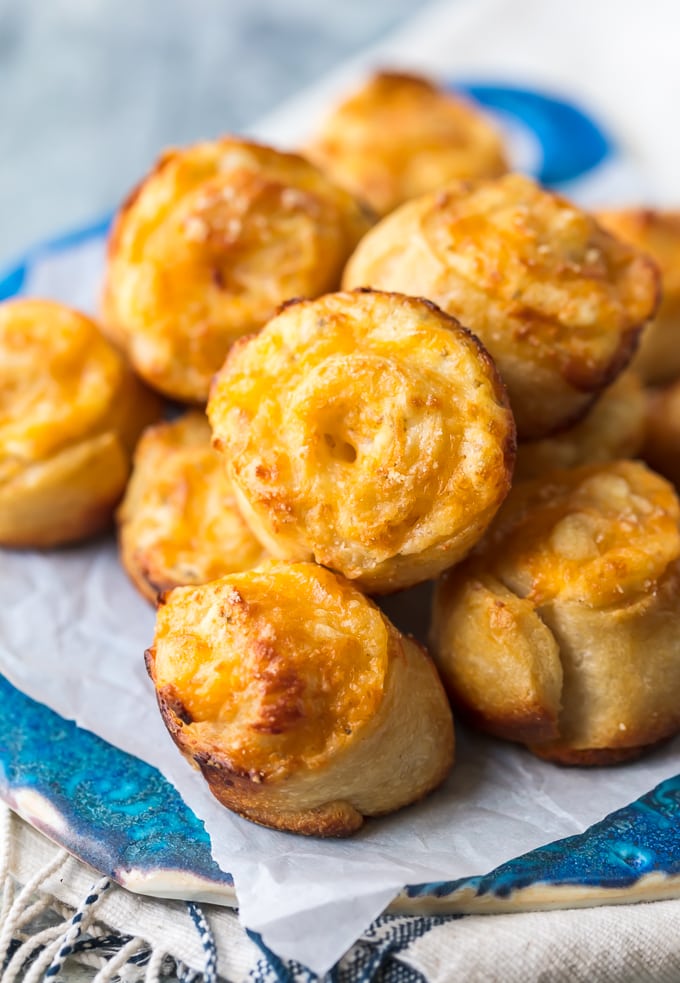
pixel 591 757
pixel 139 572
pixel 237 792
pixel 528 725
pixel 245 793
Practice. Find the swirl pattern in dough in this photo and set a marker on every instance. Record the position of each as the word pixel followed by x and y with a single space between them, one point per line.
pixel 304 708
pixel 401 136
pixel 207 247
pixel 367 431
pixel 563 631
pixel 558 302
pixel 70 414
pixel 179 522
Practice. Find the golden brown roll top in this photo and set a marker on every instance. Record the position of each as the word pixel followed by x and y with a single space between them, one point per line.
pixel 596 535
pixel 558 302
pixel 563 631
pixel 70 413
pixel 656 233
pixel 179 522
pixel 208 246
pixel 367 431
pixel 302 705
pixel 401 136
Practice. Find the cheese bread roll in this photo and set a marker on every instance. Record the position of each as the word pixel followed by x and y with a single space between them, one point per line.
pixel 614 428
pixel 366 431
pixel 70 413
pixel 208 246
pixel 563 631
pixel 558 302
pixel 656 233
pixel 662 436
pixel 302 705
pixel 179 522
pixel 400 136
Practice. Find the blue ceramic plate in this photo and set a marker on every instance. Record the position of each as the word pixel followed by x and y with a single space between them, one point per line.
pixel 124 819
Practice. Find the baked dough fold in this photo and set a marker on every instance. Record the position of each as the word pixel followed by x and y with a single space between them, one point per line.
pixel 401 136
pixel 70 413
pixel 305 709
pixel 558 302
pixel 206 248
pixel 614 428
pixel 563 630
pixel 179 522
pixel 367 431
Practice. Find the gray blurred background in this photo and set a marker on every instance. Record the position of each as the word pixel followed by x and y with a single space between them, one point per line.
pixel 91 90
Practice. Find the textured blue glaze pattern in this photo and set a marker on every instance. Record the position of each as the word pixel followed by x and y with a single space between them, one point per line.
pixel 639 839
pixel 120 814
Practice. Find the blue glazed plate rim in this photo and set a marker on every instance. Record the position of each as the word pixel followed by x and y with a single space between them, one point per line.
pixel 13 275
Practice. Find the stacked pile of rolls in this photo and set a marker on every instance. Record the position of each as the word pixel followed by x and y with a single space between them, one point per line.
pixel 455 391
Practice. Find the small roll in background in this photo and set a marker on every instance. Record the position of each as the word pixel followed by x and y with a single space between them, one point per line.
pixel 656 233
pixel 70 414
pixel 179 522
pixel 662 436
pixel 614 428
pixel 400 136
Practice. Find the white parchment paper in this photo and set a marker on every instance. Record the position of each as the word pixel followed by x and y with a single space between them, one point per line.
pixel 73 631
